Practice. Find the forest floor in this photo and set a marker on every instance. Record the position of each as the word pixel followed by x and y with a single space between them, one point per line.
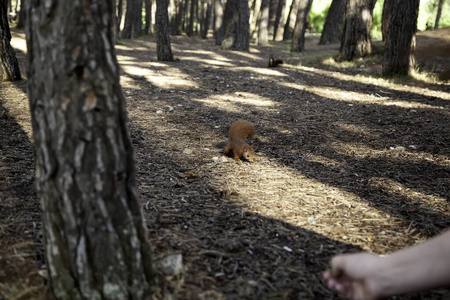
pixel 345 161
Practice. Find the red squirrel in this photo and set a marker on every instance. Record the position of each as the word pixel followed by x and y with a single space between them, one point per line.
pixel 275 62
pixel 239 131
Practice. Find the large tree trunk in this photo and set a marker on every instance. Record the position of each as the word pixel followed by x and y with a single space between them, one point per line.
pixel 355 41
pixel 219 31
pixel 298 38
pixel 331 32
pixel 9 67
pixel 263 27
pixel 133 20
pixel 163 47
pixel 291 20
pixel 94 233
pixel 438 15
pixel 386 18
pixel 400 43
pixel 236 25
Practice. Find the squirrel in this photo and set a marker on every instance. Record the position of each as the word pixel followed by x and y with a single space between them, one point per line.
pixel 275 62
pixel 239 131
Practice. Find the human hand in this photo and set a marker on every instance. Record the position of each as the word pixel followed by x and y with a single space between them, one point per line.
pixel 354 276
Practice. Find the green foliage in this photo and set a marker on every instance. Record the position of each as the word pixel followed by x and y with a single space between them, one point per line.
pixel 375 32
pixel 427 14
pixel 318 14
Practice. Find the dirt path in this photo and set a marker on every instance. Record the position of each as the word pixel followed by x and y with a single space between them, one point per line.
pixel 344 161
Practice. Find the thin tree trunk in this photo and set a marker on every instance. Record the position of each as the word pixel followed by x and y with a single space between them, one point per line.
pixel 291 20
pixel 9 67
pixel 273 7
pixel 400 43
pixel 279 21
pixel 331 32
pixel 133 20
pixel 263 30
pixel 355 41
pixel 21 16
pixel 163 47
pixel 438 15
pixel 386 18
pixel 148 17
pixel 298 38
pixel 193 8
pixel 177 26
pixel 119 16
pixel 255 18
pixel 219 31
pixel 95 236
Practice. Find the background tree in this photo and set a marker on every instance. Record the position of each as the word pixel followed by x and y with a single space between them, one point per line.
pixel 21 15
pixel 298 37
pixel 331 32
pixel 148 29
pixel 291 20
pixel 133 20
pixel 386 17
pixel 355 41
pixel 9 67
pixel 400 43
pixel 163 47
pixel 279 21
pixel 236 25
pixel 438 15
pixel 263 23
pixel 219 32
pixel 119 16
pixel 95 236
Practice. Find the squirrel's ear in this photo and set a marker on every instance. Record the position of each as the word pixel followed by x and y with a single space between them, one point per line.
pixel 251 147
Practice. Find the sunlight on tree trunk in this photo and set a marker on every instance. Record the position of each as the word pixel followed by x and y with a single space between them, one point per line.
pixel 95 236
pixel 356 40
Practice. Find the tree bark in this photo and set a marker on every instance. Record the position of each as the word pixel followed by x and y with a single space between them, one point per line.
pixel 331 32
pixel 236 25
pixel 219 31
pixel 386 18
pixel 9 67
pixel 355 41
pixel 438 15
pixel 94 233
pixel 400 43
pixel 163 47
pixel 291 20
pixel 133 20
pixel 263 30
pixel 298 38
